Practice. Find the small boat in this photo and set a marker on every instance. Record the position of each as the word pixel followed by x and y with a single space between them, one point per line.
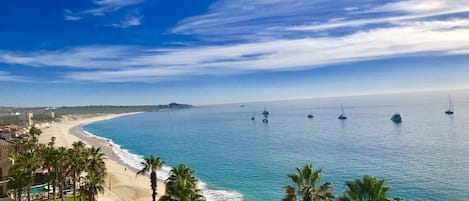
pixel 342 115
pixel 310 115
pixel 265 120
pixel 396 118
pixel 253 118
pixel 265 112
pixel 242 106
pixel 450 111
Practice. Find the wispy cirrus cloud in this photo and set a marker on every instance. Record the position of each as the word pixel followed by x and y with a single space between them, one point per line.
pixel 106 6
pixel 129 22
pixel 7 77
pixel 102 7
pixel 260 20
pixel 147 64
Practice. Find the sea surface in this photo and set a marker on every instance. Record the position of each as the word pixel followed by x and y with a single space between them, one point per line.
pixel 426 157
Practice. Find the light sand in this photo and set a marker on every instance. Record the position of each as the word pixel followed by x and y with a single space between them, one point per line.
pixel 125 185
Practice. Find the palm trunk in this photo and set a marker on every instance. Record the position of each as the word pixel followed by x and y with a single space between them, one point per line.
pixel 79 183
pixel 61 190
pixel 48 183
pixel 53 187
pixel 74 186
pixel 153 184
pixel 29 192
pixel 19 194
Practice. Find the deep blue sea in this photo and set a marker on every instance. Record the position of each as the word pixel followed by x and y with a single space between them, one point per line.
pixel 426 157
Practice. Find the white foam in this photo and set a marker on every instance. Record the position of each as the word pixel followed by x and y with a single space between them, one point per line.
pixel 134 160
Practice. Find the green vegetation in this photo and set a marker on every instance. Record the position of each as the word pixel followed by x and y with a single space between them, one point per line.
pixel 307 183
pixel 115 109
pixel 60 162
pixel 41 119
pixel 11 122
pixel 307 188
pixel 151 164
pixel 181 184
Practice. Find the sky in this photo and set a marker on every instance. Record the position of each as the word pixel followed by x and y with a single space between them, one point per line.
pixel 134 52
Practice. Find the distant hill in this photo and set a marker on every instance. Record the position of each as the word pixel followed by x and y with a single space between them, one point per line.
pixel 92 109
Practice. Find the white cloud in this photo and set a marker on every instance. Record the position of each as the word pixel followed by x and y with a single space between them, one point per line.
pixel 129 22
pixel 102 7
pixel 72 18
pixel 419 6
pixel 105 6
pixel 124 63
pixel 7 77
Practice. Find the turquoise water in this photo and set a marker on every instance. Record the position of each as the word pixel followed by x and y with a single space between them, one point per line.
pixel 426 157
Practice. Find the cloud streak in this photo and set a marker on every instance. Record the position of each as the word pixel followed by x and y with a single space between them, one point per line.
pixel 7 77
pixel 129 22
pixel 146 64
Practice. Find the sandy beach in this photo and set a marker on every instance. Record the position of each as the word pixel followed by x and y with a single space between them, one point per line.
pixel 122 184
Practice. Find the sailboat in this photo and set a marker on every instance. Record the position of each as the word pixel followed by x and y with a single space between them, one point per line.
pixel 450 111
pixel 266 115
pixel 342 115
pixel 265 112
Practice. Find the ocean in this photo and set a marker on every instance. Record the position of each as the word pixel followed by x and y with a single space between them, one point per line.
pixel 426 157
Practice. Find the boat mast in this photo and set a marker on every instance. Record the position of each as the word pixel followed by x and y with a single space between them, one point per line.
pixel 451 107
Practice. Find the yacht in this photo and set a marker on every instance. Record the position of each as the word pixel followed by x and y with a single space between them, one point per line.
pixel 396 118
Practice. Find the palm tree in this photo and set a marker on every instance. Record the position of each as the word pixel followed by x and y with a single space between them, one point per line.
pixel 94 182
pixel 19 179
pixel 77 163
pixel 28 162
pixel 367 189
pixel 182 185
pixel 151 164
pixel 96 159
pixel 35 132
pixel 307 182
pixel 290 194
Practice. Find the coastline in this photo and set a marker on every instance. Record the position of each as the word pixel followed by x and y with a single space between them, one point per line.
pixel 121 182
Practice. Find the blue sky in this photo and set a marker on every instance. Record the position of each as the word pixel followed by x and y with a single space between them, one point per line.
pixel 128 52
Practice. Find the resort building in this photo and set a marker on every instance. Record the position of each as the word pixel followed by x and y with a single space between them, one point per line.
pixel 5 165
pixel 25 117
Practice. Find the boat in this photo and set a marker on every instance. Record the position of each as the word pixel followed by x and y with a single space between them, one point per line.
pixel 396 118
pixel 242 106
pixel 450 111
pixel 253 118
pixel 310 115
pixel 265 112
pixel 342 115
pixel 265 120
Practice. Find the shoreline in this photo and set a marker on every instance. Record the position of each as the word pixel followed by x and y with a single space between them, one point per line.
pixel 121 182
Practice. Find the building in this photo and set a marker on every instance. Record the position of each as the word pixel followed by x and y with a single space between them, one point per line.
pixel 5 165
pixel 25 117
pixel 11 131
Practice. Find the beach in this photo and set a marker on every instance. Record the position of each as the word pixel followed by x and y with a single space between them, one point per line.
pixel 122 184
